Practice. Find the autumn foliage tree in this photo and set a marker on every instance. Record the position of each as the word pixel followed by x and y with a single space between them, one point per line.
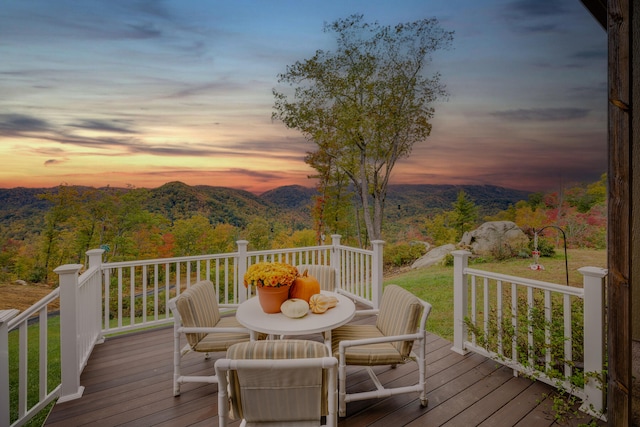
pixel 365 104
pixel 57 222
pixel 580 211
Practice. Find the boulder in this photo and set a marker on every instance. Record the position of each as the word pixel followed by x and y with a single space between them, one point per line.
pixel 434 256
pixel 495 238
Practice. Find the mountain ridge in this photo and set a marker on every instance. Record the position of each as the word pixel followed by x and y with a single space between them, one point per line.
pixel 177 200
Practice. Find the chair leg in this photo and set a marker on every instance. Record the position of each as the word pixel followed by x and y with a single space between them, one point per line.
pixel 176 386
pixel 422 371
pixel 342 387
pixel 176 363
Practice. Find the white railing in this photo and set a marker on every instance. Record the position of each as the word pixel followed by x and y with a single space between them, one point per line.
pixel 528 326
pixel 28 402
pixel 136 293
pixel 79 330
pixel 117 297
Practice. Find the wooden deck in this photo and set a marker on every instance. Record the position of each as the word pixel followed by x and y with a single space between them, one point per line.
pixel 128 382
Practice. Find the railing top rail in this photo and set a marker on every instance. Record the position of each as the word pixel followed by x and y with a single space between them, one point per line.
pixel 356 250
pixel 538 284
pixel 43 302
pixel 288 250
pixel 136 263
pixel 167 260
pixel 87 274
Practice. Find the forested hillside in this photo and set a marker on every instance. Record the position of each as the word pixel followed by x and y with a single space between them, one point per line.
pixel 220 205
pixel 22 210
pixel 43 228
pixel 429 199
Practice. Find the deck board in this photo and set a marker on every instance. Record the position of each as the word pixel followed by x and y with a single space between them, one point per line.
pixel 128 382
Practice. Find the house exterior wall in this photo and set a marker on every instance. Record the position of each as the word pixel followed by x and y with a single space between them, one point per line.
pixel 635 175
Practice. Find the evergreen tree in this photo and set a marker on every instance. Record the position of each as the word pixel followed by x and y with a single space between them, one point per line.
pixel 465 213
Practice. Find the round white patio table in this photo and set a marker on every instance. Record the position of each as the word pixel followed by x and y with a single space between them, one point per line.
pixel 251 316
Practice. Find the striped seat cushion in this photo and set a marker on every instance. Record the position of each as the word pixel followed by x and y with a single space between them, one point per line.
pixel 400 313
pixel 368 355
pixel 198 307
pixel 212 343
pixel 295 394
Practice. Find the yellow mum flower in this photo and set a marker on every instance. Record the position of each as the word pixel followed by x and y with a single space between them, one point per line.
pixel 270 274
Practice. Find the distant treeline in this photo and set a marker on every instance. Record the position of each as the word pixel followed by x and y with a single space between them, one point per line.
pixel 41 229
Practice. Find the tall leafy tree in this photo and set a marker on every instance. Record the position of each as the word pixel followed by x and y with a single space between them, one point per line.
pixel 64 200
pixel 192 236
pixel 528 218
pixel 365 104
pixel 125 215
pixel 224 238
pixel 94 210
pixel 440 230
pixel 332 210
pixel 258 233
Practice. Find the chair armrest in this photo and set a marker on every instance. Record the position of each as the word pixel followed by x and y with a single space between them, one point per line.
pixel 368 312
pixel 354 343
pixel 203 330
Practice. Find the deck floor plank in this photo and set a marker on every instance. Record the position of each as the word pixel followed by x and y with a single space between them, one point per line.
pixel 128 382
pixel 516 409
pixel 490 403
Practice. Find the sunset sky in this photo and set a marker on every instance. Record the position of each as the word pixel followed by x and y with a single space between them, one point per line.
pixel 143 92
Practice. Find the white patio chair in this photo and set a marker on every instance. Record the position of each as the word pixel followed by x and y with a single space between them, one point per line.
pixel 399 329
pixel 278 382
pixel 197 316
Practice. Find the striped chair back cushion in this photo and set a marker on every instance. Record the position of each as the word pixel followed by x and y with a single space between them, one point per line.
pixel 400 313
pixel 198 307
pixel 296 394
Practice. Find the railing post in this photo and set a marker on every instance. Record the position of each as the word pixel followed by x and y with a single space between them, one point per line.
pixel 69 357
pixel 460 286
pixel 5 317
pixel 376 272
pixel 594 344
pixel 242 269
pixel 95 260
pixel 336 262
pixel 95 257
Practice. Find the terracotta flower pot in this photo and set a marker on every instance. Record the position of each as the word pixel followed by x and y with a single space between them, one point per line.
pixel 271 298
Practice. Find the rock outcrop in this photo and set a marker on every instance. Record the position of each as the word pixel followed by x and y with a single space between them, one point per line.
pixel 434 256
pixel 495 238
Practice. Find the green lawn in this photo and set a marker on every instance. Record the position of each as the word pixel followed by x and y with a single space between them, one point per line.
pixel 33 367
pixel 434 285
